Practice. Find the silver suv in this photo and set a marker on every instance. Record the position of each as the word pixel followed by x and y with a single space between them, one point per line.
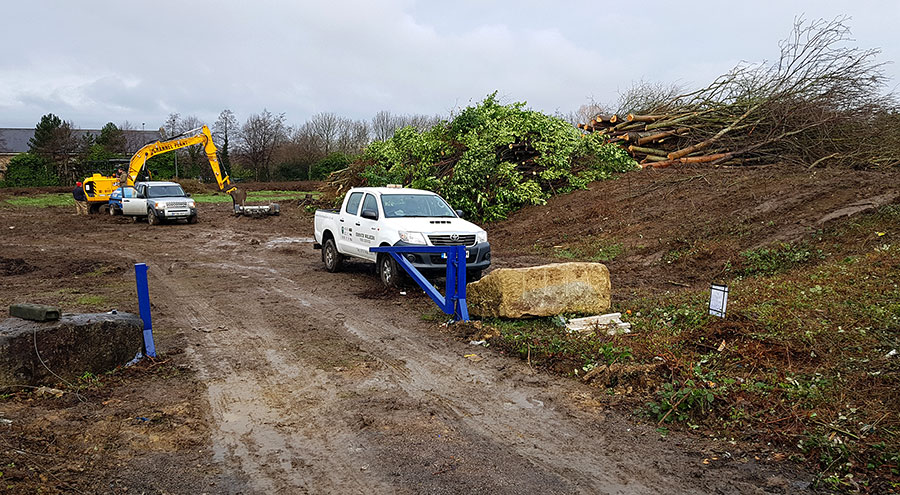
pixel 159 201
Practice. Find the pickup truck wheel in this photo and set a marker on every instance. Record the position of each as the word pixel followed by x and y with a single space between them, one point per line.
pixel 332 258
pixel 390 272
pixel 152 219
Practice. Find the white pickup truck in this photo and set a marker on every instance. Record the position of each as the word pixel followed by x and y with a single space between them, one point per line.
pixel 394 216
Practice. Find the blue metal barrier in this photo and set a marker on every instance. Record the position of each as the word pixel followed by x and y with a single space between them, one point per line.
pixel 140 275
pixel 454 303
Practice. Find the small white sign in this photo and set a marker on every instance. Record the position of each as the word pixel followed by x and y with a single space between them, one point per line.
pixel 718 299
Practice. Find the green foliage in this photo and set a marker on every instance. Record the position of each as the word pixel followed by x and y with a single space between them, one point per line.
pixel 777 259
pixel 112 139
pixel 676 403
pixel 334 161
pixel 474 161
pixel 295 170
pixel 29 170
pixel 543 341
pixel 44 133
pixel 161 166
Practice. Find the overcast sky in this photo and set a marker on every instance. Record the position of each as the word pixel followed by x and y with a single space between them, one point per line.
pixel 92 62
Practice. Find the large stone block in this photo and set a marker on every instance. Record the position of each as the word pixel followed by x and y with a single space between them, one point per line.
pixel 70 346
pixel 541 291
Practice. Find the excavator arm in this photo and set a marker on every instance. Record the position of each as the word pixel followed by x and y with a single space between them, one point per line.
pixel 200 135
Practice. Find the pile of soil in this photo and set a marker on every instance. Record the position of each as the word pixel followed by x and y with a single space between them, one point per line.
pixel 679 227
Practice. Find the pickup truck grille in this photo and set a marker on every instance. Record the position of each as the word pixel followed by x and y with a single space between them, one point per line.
pixel 447 240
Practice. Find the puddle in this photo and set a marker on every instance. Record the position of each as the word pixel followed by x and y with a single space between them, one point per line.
pixel 288 241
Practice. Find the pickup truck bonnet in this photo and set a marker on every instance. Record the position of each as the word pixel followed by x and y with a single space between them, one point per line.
pixel 432 225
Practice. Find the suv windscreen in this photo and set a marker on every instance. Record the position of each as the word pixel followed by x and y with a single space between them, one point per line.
pixel 165 191
pixel 415 205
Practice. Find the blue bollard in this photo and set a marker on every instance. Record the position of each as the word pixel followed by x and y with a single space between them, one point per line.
pixel 140 275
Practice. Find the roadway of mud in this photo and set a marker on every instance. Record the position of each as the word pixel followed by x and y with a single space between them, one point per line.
pixel 295 380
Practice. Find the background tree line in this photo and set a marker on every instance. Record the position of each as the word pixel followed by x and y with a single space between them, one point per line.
pixel 264 147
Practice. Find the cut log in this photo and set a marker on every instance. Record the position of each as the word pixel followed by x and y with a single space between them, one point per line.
pixel 655 158
pixel 661 135
pixel 644 118
pixel 664 164
pixel 648 151
pixel 705 158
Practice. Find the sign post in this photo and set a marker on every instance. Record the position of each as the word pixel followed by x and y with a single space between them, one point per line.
pixel 718 300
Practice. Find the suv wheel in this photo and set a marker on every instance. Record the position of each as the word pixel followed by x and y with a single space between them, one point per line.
pixel 152 219
pixel 192 219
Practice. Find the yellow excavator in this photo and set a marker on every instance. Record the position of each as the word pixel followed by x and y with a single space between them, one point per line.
pixel 99 187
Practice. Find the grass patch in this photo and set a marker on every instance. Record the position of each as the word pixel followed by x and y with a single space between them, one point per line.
pixel 546 342
pixel 255 196
pixel 778 259
pixel 42 200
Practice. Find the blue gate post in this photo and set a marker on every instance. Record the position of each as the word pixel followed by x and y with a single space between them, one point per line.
pixel 454 303
pixel 140 276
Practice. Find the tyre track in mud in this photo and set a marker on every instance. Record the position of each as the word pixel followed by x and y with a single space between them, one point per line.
pixel 313 389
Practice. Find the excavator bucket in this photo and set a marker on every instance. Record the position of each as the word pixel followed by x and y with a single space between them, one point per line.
pixel 239 196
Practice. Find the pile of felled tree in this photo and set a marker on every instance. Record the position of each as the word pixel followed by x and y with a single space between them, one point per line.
pixel 821 102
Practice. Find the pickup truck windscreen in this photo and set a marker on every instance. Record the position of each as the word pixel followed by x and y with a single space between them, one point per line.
pixel 164 191
pixel 415 205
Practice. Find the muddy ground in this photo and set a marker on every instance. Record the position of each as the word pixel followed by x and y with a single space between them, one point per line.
pixel 275 376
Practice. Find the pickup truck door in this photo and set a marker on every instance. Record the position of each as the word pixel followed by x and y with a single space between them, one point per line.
pixel 135 204
pixel 347 222
pixel 366 229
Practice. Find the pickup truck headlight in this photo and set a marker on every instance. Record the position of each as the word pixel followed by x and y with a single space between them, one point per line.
pixel 480 237
pixel 412 237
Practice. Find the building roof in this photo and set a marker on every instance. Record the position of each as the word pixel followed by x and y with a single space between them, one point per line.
pixel 15 140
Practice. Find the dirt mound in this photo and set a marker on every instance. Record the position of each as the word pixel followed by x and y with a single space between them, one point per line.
pixel 15 266
pixel 675 227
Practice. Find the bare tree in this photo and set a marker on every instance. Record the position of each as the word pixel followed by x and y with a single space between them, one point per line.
pixel 326 125
pixel 360 138
pixel 225 127
pixel 260 137
pixel 195 153
pixel 172 125
pixel 384 124
pixel 420 122
pixel 133 139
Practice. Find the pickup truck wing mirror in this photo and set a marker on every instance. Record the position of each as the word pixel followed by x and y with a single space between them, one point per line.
pixel 370 214
pixel 460 213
